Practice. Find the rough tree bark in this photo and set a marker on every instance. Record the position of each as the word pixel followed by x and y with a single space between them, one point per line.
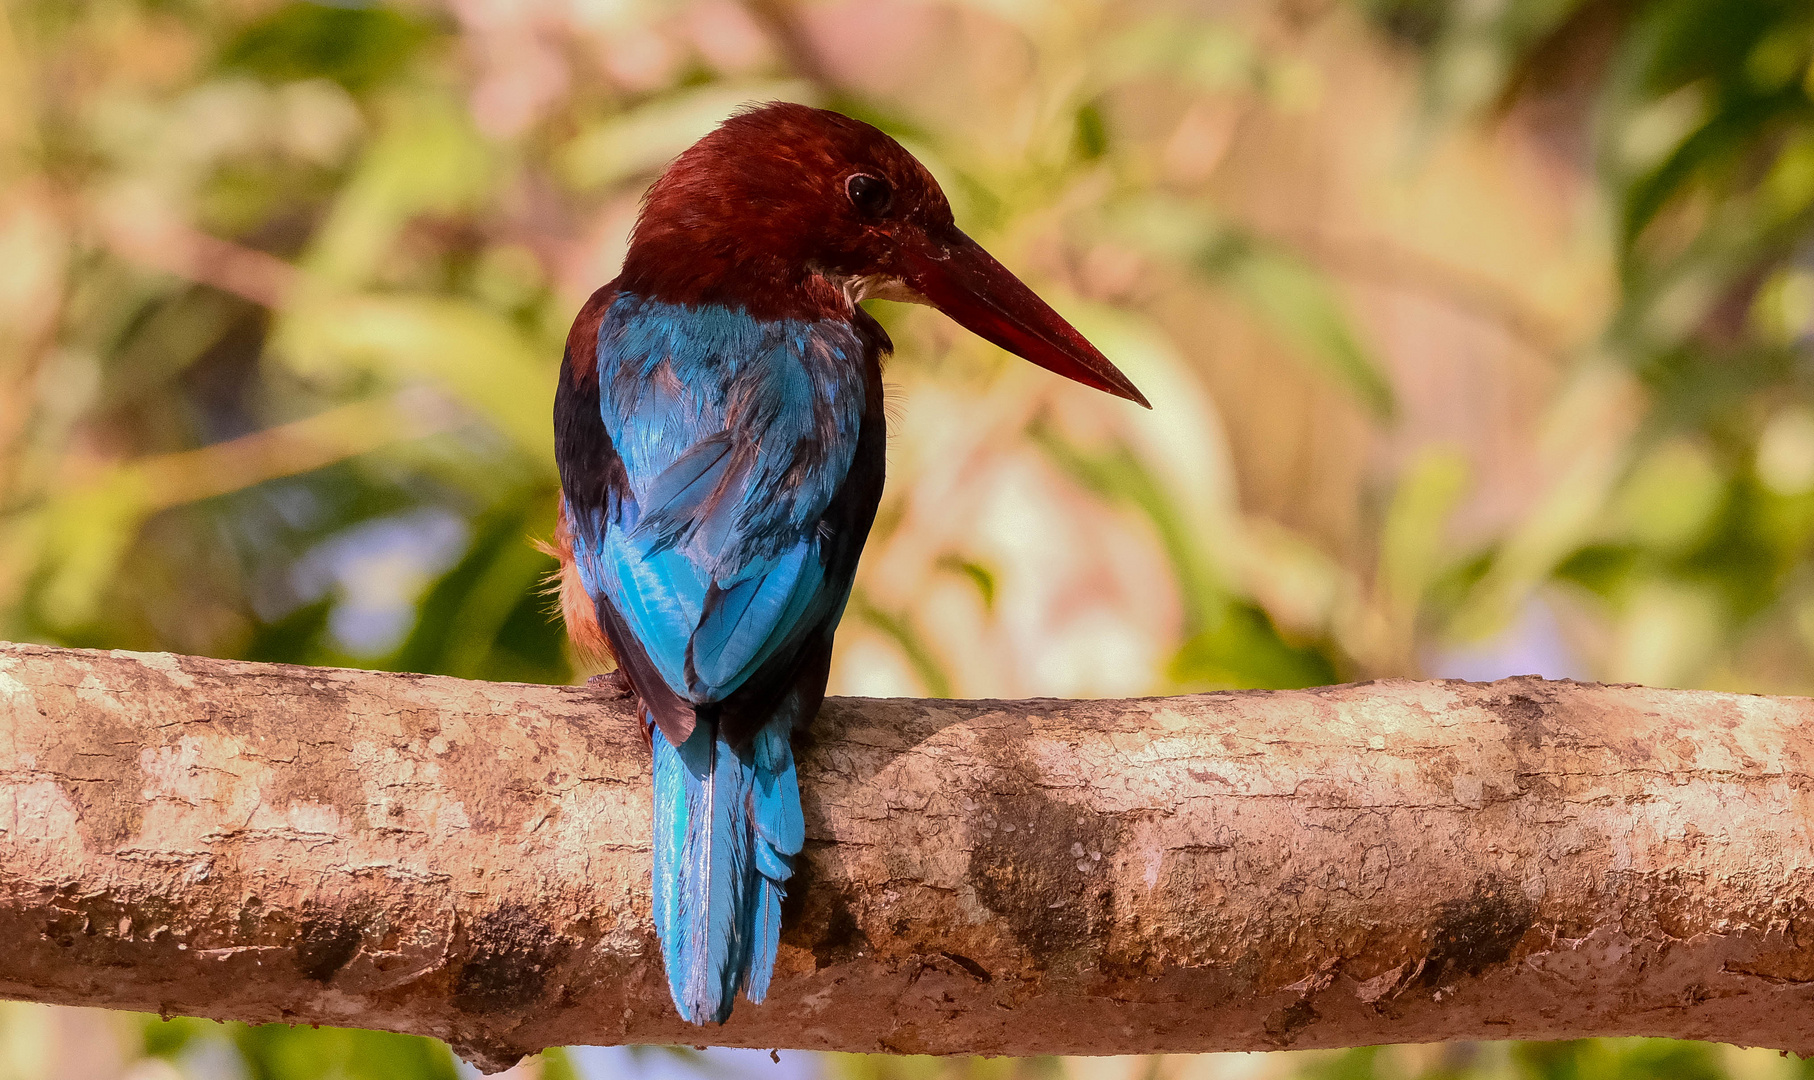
pixel 1387 862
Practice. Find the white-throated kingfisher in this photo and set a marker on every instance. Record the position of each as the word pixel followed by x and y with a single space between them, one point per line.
pixel 720 435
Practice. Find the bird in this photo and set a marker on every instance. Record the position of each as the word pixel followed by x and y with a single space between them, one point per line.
pixel 720 436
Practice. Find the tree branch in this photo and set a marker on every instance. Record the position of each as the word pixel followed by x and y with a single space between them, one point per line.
pixel 1388 862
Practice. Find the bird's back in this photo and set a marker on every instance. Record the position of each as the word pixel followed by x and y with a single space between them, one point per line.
pixel 720 473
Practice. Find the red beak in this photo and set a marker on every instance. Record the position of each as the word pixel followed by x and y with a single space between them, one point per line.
pixel 962 280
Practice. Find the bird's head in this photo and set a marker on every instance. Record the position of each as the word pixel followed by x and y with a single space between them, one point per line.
pixel 787 210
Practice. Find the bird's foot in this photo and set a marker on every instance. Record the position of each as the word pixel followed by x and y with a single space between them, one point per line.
pixel 611 683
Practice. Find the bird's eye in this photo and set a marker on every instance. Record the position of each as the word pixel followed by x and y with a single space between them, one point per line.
pixel 871 195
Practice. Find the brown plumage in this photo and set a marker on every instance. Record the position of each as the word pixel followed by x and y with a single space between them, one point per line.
pixel 577 608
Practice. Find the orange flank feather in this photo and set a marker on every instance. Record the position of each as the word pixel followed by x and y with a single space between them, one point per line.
pixel 577 610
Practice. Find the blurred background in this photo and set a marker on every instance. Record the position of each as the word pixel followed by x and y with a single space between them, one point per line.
pixel 1481 334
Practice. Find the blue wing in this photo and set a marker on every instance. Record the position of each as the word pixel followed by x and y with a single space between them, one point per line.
pixel 719 475
pixel 735 433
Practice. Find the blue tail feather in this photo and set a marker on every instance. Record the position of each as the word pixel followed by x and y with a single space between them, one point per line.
pixel 766 939
pixel 727 829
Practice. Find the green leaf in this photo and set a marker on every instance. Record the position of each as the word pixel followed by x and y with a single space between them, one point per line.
pixel 556 1065
pixel 489 617
pixel 358 47
pixel 1297 301
pixel 1092 132
pixel 1411 542
pixel 1243 650
pixel 426 159
pixel 481 357
pixel 901 628
pixel 1669 500
pixel 168 1038
pixel 1285 292
pixel 980 576
pixel 1208 53
pixel 1116 474
pixel 283 1052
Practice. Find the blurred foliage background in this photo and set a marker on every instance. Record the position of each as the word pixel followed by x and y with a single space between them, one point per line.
pixel 1480 332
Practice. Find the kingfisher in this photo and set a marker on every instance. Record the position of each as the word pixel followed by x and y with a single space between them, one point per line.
pixel 720 434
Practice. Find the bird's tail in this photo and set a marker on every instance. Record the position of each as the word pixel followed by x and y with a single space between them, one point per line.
pixel 727 829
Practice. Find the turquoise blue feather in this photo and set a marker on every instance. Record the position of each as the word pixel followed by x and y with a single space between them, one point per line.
pixel 727 830
pixel 735 435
